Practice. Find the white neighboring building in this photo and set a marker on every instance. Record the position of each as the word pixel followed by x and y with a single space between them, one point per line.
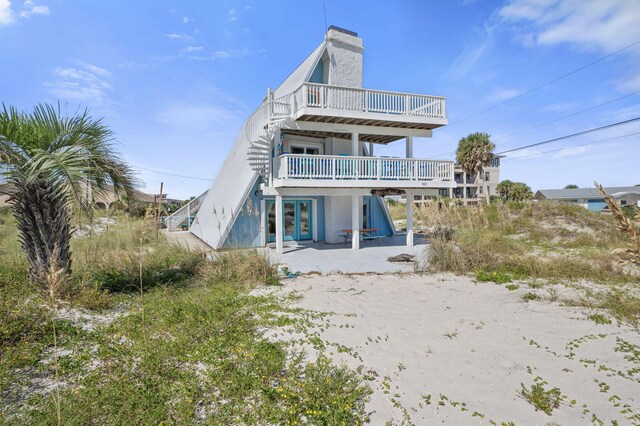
pixel 303 166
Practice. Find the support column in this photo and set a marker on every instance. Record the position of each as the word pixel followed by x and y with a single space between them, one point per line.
pixel 279 226
pixel 410 201
pixel 273 153
pixel 356 220
pixel 354 144
pixel 409 146
pixel 370 149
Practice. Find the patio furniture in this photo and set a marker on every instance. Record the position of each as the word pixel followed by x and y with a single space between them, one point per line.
pixel 365 234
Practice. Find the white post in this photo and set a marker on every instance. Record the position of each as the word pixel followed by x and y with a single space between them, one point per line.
pixel 354 144
pixel 189 216
pixel 356 219
pixel 279 225
pixel 409 146
pixel 370 149
pixel 410 200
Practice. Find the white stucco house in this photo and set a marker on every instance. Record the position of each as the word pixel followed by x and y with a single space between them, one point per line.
pixel 303 166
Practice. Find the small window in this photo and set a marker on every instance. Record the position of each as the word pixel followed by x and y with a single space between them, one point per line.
pixel 487 176
pixel 480 189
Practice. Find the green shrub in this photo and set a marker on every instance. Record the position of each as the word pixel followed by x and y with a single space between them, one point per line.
pixel 529 296
pixel 495 277
pixel 542 399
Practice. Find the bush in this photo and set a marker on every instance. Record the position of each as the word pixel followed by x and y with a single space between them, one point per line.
pixel 240 266
pixel 495 277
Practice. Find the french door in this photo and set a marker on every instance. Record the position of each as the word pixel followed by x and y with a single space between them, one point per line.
pixel 297 220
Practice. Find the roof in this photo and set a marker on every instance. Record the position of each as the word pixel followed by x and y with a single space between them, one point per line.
pixel 563 194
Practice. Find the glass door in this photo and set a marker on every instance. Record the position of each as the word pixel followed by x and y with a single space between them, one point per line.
pixel 297 220
pixel 304 220
pixel 290 220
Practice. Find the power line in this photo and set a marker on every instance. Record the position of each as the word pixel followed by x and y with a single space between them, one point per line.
pixel 545 84
pixel 174 174
pixel 584 132
pixel 538 154
pixel 537 126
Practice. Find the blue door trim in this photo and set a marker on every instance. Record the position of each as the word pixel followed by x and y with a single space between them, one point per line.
pixel 298 235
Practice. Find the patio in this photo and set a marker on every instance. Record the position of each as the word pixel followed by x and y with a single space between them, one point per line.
pixel 372 257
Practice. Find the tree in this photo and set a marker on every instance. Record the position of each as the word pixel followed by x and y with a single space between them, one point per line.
pixel 514 191
pixel 521 191
pixel 474 153
pixel 505 189
pixel 55 162
pixel 571 186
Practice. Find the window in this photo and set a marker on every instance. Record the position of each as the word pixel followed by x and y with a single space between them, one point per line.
pixel 443 192
pixel 487 176
pixel 304 149
pixel 480 189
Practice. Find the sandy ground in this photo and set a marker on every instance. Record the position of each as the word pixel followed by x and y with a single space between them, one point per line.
pixel 470 347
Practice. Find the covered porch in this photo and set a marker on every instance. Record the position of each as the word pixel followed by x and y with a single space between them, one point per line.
pixel 323 258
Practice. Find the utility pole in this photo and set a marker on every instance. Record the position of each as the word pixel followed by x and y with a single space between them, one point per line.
pixel 158 209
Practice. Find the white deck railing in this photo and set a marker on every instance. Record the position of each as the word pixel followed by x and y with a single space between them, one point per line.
pixel 337 167
pixel 184 215
pixel 367 100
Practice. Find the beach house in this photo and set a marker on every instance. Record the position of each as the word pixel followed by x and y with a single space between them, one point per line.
pixel 303 167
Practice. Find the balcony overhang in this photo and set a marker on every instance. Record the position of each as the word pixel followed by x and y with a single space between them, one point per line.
pixel 375 119
pixel 367 132
pixel 362 183
pixel 377 110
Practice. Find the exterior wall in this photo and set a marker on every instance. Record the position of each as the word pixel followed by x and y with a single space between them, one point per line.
pixel 245 231
pixel 338 217
pixel 346 59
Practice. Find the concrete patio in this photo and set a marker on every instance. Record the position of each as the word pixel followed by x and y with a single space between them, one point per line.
pixel 372 257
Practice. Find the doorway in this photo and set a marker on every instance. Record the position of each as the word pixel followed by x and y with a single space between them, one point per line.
pixel 297 220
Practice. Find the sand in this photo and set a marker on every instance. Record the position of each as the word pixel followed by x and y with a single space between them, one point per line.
pixel 470 347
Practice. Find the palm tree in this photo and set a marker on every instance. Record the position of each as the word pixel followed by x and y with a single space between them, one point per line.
pixel 53 162
pixel 474 153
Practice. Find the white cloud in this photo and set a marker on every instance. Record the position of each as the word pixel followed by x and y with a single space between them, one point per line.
pixel 482 42
pixel 559 107
pixel 604 25
pixel 225 54
pixel 569 151
pixel 30 8
pixel 186 20
pixel 503 94
pixel 193 48
pixel 233 15
pixel 176 36
pixel 81 83
pixel 524 153
pixel 6 14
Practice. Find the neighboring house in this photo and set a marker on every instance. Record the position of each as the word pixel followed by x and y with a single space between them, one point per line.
pixel 303 165
pixel 107 199
pixel 591 198
pixel 468 188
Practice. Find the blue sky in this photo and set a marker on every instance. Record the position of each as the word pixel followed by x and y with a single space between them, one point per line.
pixel 176 80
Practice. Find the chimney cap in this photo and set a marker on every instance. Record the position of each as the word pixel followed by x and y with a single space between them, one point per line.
pixel 342 30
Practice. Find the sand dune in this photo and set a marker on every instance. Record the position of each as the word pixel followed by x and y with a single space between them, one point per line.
pixel 444 349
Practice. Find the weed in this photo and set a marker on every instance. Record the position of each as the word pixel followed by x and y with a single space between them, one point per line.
pixel 451 335
pixel 512 287
pixel 495 277
pixel 529 296
pixel 542 399
pixel 599 319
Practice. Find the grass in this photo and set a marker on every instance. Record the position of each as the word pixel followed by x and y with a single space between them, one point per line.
pixel 183 340
pixel 537 240
pixel 541 242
